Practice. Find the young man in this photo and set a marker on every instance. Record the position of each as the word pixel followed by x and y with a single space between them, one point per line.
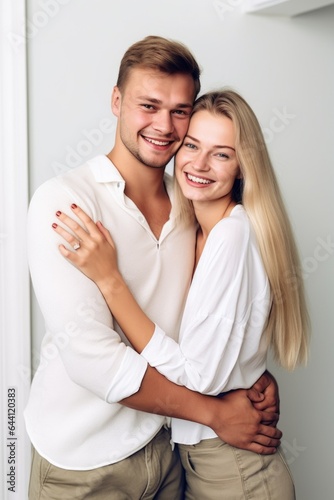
pixel 96 410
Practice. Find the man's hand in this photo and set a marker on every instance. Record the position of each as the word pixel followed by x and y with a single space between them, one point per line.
pixel 232 416
pixel 264 395
pixel 240 424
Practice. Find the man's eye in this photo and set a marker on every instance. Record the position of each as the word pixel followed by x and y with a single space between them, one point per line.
pixel 179 112
pixel 147 106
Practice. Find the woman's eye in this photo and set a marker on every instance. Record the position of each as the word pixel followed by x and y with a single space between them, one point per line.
pixel 223 155
pixel 189 145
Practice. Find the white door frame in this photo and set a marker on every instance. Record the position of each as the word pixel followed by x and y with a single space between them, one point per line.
pixel 15 333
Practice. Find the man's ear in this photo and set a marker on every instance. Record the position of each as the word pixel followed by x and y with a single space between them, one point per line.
pixel 116 101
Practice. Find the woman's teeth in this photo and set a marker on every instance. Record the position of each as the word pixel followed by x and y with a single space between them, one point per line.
pixel 199 180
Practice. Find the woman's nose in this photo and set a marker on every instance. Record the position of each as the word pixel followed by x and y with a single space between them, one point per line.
pixel 200 162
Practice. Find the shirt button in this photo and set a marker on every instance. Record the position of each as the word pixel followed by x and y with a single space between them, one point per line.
pixel 141 218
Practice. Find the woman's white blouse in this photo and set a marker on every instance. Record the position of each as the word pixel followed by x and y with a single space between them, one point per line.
pixel 222 345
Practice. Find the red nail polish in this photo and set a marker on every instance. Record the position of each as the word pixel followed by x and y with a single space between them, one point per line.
pixel 74 205
pixel 58 213
pixel 54 225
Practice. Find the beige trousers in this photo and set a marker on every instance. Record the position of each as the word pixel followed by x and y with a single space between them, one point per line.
pixel 216 471
pixel 153 472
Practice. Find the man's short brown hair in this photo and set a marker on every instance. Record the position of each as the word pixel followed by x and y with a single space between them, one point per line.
pixel 155 52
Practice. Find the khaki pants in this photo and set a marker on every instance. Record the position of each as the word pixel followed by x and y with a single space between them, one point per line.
pixel 153 472
pixel 216 471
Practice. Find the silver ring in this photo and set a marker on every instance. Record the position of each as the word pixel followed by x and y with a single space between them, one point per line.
pixel 76 246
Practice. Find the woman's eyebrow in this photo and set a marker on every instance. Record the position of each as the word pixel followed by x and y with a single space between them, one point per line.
pixel 215 146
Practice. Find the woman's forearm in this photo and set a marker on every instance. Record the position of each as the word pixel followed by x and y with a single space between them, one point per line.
pixel 137 327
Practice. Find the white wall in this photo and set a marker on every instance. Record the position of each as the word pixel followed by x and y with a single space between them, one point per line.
pixel 284 68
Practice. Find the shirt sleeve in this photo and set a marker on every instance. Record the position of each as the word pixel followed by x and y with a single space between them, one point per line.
pixel 225 315
pixel 79 326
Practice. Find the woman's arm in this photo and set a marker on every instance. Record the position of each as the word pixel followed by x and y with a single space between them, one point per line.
pixel 97 259
pixel 224 318
pixel 137 327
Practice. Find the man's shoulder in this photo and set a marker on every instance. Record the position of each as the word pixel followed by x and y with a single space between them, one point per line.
pixel 73 178
pixel 63 187
pixel 81 173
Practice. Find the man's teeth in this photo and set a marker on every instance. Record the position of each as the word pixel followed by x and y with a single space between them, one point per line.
pixel 198 179
pixel 157 143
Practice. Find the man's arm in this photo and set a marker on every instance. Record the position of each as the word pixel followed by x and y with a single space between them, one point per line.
pixel 80 329
pixel 232 417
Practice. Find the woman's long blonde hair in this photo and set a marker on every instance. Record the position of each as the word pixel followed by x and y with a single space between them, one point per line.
pixel 258 191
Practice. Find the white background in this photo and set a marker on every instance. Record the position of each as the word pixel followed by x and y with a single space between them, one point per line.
pixel 284 67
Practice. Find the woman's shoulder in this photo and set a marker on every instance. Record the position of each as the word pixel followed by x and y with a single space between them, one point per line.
pixel 236 225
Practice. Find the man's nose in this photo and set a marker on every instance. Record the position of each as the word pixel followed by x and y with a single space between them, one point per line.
pixel 163 122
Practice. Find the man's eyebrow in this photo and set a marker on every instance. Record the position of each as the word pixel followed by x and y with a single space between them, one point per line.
pixel 215 146
pixel 158 101
pixel 184 105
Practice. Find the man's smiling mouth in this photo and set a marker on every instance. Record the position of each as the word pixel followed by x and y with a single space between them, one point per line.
pixel 156 142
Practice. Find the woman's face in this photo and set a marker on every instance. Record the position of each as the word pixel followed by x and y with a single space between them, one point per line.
pixel 206 164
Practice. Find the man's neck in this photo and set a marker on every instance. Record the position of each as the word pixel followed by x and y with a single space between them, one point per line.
pixel 140 179
pixel 145 187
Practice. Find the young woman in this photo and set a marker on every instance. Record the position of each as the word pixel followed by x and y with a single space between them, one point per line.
pixel 246 294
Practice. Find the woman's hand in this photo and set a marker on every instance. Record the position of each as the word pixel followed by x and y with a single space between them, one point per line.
pixel 95 255
pixel 94 252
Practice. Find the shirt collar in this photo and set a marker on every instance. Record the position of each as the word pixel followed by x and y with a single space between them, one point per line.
pixel 104 170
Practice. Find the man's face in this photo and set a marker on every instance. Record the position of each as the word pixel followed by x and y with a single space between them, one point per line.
pixel 153 113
